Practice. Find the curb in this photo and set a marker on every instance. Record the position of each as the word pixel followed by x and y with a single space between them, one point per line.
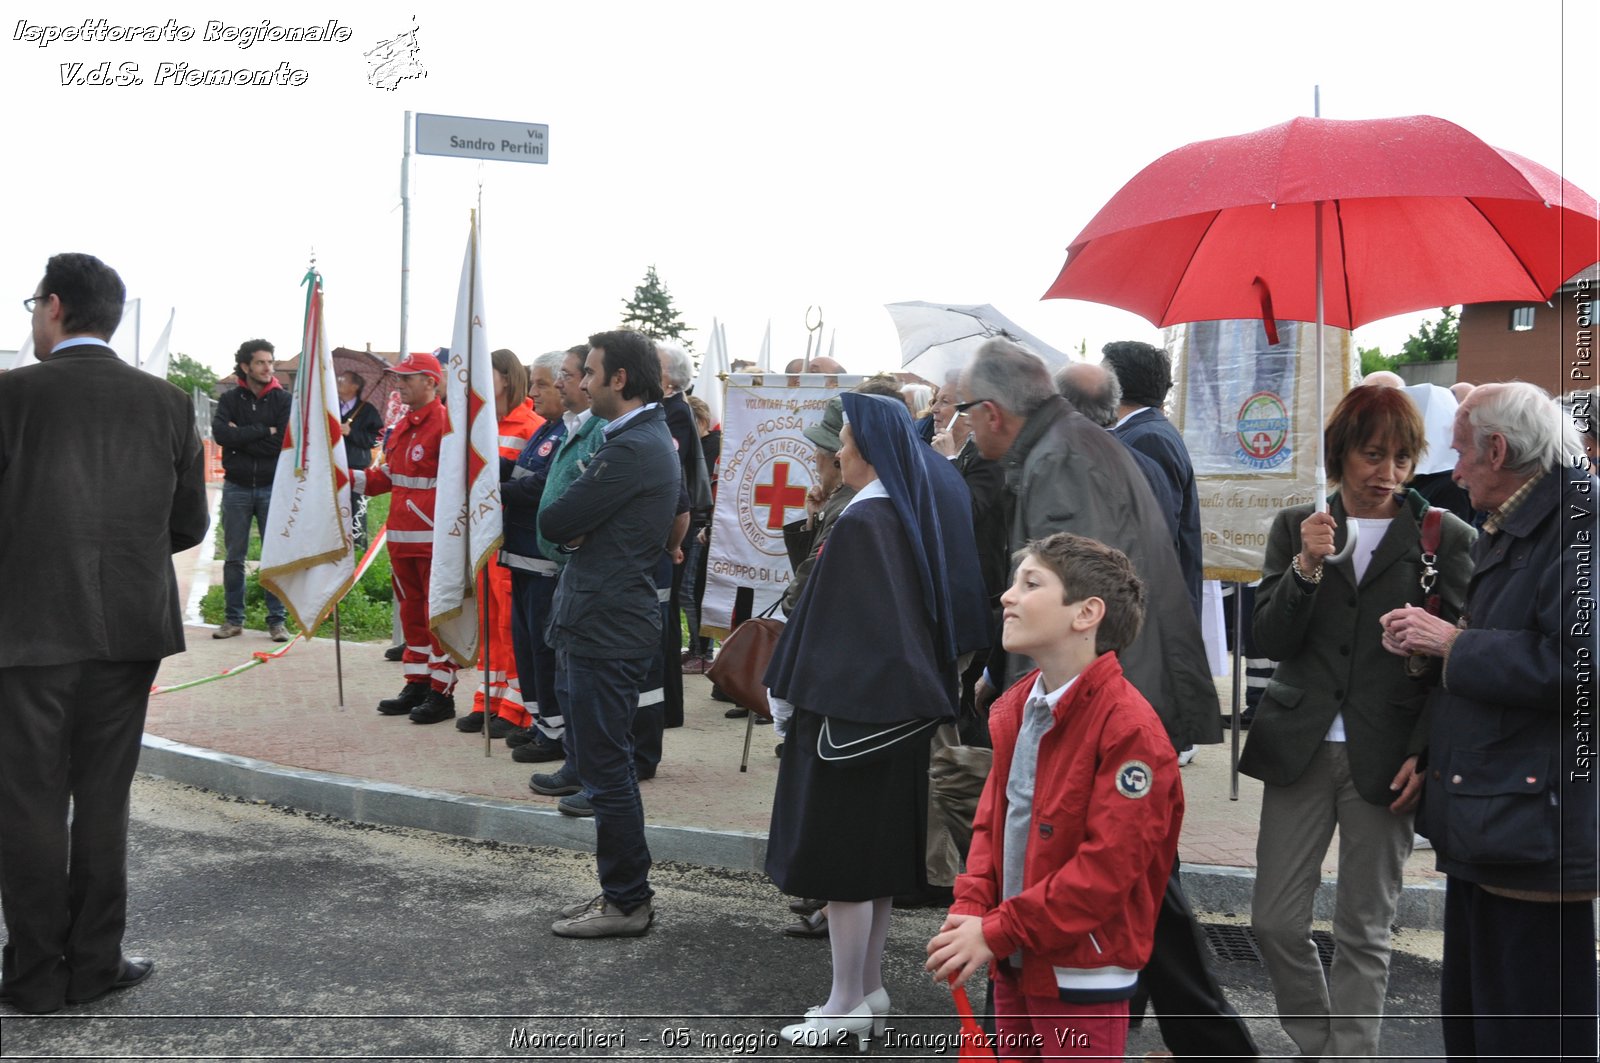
pixel 393 805
pixel 1210 887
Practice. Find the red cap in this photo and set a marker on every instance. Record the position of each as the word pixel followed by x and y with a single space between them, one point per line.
pixel 420 363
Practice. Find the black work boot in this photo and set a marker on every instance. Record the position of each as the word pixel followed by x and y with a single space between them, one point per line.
pixel 411 696
pixel 438 708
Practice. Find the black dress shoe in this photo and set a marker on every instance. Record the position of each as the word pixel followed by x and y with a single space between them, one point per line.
pixel 738 712
pixel 135 969
pixel 814 925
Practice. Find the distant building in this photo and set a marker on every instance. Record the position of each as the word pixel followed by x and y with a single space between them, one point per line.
pixel 1550 344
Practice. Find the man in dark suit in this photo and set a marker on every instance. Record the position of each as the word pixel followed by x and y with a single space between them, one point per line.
pixel 615 523
pixel 1145 374
pixel 91 508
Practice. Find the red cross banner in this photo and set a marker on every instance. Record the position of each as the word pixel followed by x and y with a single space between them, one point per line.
pixel 767 466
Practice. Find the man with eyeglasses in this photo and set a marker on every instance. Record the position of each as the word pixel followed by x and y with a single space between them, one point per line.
pixel 91 510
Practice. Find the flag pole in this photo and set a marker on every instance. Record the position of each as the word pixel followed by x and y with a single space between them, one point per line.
pixel 483 630
pixel 338 656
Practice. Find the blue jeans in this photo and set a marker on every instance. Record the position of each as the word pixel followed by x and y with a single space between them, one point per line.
pixel 600 697
pixel 239 505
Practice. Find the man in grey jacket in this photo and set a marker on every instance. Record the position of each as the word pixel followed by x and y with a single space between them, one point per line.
pixel 614 523
pixel 1067 474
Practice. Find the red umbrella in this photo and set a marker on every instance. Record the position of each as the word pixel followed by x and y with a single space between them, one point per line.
pixel 1335 222
pixel 1418 212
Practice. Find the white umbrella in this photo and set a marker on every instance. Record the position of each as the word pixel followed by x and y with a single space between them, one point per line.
pixel 938 337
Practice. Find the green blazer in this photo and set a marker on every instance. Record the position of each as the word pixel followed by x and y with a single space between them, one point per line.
pixel 1327 641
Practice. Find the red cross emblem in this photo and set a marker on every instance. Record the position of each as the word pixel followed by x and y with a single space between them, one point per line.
pixel 778 496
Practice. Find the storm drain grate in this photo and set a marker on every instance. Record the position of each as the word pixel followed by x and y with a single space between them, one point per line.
pixel 1237 944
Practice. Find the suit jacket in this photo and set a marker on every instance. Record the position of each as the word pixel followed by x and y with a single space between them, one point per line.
pixel 623 507
pixel 1328 642
pixel 101 482
pixel 1151 434
pixel 1067 474
pixel 366 425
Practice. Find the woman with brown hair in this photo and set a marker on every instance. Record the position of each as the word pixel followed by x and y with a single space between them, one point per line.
pixel 1336 737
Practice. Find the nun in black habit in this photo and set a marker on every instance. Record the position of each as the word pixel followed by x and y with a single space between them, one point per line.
pixel 866 668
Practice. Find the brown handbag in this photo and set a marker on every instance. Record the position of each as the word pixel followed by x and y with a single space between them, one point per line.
pixel 741 664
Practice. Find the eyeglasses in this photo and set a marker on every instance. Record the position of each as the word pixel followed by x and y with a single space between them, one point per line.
pixel 963 407
pixel 32 301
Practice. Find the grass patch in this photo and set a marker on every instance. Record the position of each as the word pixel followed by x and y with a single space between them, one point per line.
pixel 364 614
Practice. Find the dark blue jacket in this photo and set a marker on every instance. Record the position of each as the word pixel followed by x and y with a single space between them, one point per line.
pixel 519 494
pixel 1511 783
pixel 622 507
pixel 1151 434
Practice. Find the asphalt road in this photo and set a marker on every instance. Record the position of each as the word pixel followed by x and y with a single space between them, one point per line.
pixel 282 935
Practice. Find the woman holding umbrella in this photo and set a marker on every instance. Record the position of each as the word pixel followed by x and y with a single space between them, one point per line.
pixel 1336 736
pixel 900 574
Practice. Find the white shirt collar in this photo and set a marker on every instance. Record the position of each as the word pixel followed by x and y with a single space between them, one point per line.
pixel 616 426
pixel 875 489
pixel 1052 696
pixel 1124 420
pixel 79 341
pixel 574 421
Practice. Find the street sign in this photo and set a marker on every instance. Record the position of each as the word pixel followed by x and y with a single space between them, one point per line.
pixel 482 138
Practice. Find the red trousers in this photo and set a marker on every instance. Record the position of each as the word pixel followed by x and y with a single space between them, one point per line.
pixel 505 689
pixel 424 660
pixel 1029 1027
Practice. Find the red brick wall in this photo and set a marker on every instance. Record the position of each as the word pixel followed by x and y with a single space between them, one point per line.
pixel 1545 354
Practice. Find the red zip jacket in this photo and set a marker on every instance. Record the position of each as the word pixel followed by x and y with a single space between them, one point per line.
pixel 411 469
pixel 1107 807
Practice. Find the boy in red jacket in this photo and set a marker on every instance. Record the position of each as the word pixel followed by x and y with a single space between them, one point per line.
pixel 1078 824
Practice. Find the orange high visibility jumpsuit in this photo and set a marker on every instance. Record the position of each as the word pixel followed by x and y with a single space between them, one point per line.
pixel 505 690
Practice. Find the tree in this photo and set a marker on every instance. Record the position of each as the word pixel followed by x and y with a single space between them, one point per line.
pixel 189 374
pixel 1434 342
pixel 652 313
pixel 1373 359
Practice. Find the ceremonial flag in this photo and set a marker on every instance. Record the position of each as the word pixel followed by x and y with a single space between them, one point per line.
pixel 764 361
pixel 713 367
pixel 466 508
pixel 155 363
pixel 306 557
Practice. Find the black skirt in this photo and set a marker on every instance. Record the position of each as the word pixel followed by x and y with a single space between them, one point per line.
pixel 848 831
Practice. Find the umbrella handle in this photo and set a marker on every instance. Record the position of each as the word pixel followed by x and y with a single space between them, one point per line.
pixel 1352 533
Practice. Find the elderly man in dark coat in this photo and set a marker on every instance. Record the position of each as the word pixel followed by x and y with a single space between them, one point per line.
pixel 1067 474
pixel 1509 787
pixel 91 510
